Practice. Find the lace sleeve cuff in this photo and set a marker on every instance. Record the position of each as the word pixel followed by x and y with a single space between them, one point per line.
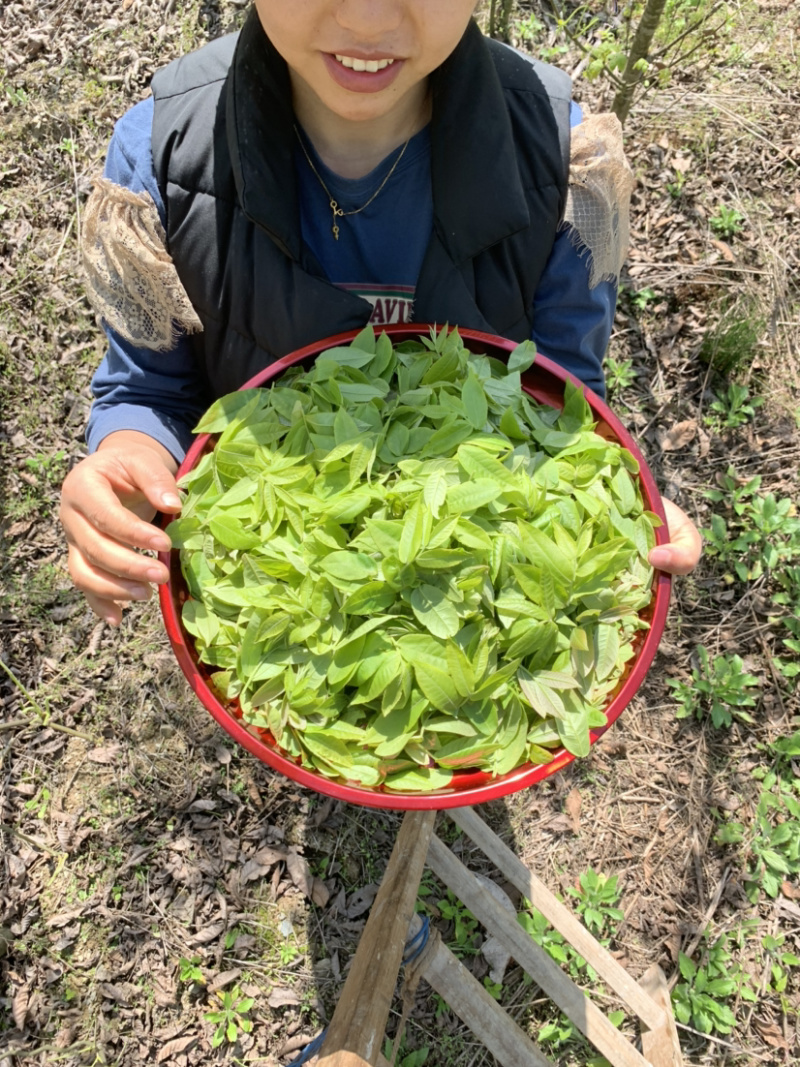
pixel 131 280
pixel 598 196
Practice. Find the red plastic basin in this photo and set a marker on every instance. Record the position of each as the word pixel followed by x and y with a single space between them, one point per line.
pixel 545 383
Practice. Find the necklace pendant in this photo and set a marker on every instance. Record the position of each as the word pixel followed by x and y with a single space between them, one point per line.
pixel 336 211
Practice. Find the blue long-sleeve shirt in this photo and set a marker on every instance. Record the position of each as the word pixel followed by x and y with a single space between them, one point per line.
pixel 378 255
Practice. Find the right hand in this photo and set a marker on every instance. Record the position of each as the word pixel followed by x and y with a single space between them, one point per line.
pixel 107 503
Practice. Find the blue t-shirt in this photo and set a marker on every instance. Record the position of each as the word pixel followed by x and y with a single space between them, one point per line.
pixel 378 255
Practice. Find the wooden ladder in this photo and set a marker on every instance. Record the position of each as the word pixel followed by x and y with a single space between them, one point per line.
pixel 356 1033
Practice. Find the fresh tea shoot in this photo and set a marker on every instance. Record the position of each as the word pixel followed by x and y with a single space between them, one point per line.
pixel 400 565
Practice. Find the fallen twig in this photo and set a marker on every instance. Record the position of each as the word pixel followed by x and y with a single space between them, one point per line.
pixel 8 829
pixel 44 715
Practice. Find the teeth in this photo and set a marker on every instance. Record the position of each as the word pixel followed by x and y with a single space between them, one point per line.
pixel 369 65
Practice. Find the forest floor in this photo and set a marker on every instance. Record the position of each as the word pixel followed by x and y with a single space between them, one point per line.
pixel 148 865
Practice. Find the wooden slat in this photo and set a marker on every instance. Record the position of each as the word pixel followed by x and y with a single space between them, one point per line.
pixel 462 991
pixel 531 887
pixel 345 1059
pixel 358 1025
pixel 662 1047
pixel 544 971
pixel 348 1059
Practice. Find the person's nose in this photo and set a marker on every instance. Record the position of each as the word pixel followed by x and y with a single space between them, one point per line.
pixel 370 19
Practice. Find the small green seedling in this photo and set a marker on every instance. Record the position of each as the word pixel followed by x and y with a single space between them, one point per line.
pixel 642 297
pixel 771 842
pixel 619 374
pixel 288 953
pixel 536 926
pixel 699 1001
pixel 675 189
pixel 48 469
pixel 781 961
pixel 190 970
pixel 732 408
pixel 18 97
pixel 734 491
pixel 465 925
pixel 557 1033
pixel 721 690
pixel 784 750
pixel 764 533
pixel 417 1058
pixel 39 804
pixel 596 899
pixel 494 989
pixel 787 600
pixel 727 222
pixel 232 1016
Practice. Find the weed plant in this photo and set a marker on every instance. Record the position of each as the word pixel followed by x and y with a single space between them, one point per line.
pixel 620 374
pixel 770 843
pixel 726 222
pixel 721 690
pixel 732 408
pixel 232 1016
pixel 701 999
pixel 731 344
pixel 596 901
pixel 761 533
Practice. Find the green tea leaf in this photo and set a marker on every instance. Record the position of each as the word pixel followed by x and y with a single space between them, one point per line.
pixel 544 700
pixel 436 613
pixel 349 566
pixel 419 780
pixel 474 400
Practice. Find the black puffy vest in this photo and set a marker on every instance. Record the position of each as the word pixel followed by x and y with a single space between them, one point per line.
pixel 223 149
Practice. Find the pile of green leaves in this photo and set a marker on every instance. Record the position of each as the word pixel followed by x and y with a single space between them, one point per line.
pixel 401 565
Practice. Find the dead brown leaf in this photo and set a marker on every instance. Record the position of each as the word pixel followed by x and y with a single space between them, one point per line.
pixel 361 901
pixel 320 893
pixel 281 997
pixel 117 993
pixel 104 753
pixel 791 892
pixel 63 918
pixel 17 529
pixel 560 824
pixel 207 933
pixel 223 979
pixel 771 1033
pixel 300 873
pixel 679 436
pixel 724 250
pixel 572 806
pixel 175 1047
pixel 19 1007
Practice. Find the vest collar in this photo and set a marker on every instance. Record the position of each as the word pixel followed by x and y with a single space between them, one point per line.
pixel 473 155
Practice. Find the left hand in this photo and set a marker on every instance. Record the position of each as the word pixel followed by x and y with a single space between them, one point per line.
pixel 682 553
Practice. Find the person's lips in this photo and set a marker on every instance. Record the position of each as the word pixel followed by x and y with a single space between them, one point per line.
pixel 362 73
pixel 371 66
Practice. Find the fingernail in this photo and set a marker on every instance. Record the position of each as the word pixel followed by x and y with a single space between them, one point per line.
pixel 138 592
pixel 160 544
pixel 171 500
pixel 659 557
pixel 155 574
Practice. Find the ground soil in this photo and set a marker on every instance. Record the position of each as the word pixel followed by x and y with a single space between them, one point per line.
pixel 136 835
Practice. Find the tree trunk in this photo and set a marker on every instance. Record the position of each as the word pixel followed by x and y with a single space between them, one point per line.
pixel 631 77
pixel 500 19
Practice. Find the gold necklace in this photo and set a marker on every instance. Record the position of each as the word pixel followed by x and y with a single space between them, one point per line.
pixel 338 213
